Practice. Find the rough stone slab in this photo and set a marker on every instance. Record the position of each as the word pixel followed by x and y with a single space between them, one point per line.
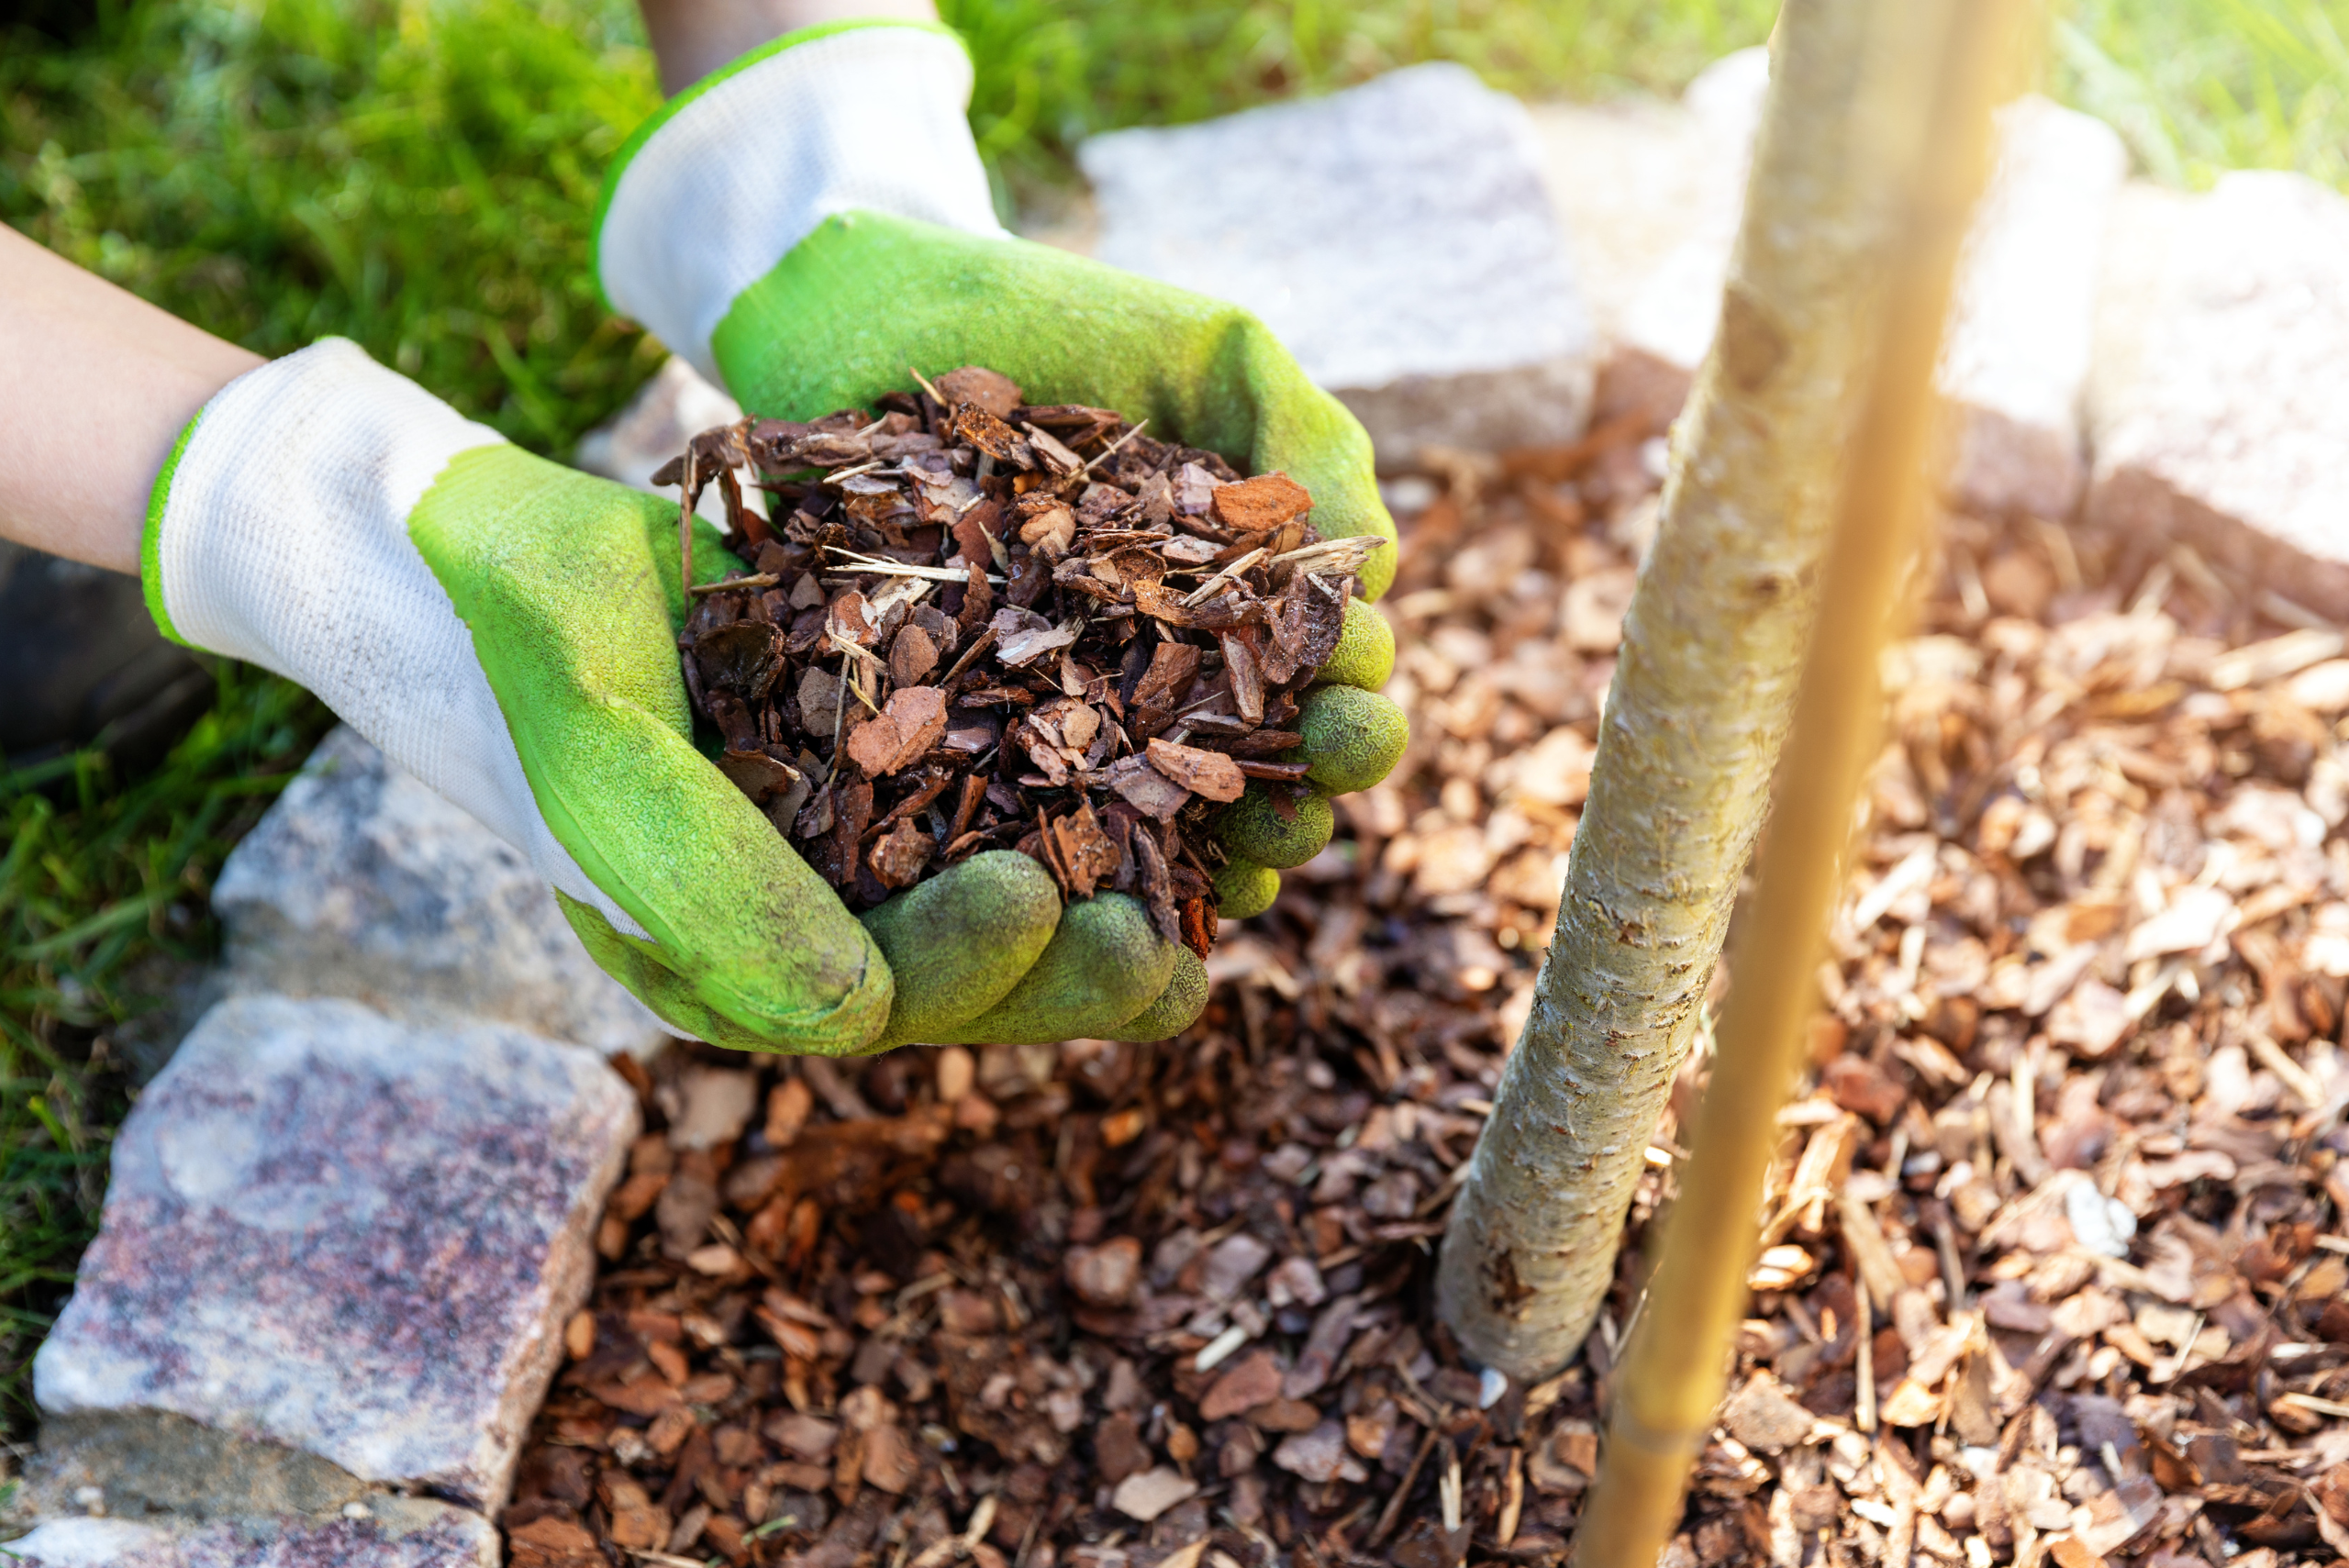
pixel 2219 401
pixel 135 1464
pixel 2015 363
pixel 347 1235
pixel 1653 195
pixel 362 882
pixel 1396 237
pixel 396 1532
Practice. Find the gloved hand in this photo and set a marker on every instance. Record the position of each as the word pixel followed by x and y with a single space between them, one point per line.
pixel 506 629
pixel 811 222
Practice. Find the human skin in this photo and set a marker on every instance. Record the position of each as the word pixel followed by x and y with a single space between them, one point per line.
pixel 693 37
pixel 95 384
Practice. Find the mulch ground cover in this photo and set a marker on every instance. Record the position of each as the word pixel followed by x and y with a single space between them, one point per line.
pixel 2054 1266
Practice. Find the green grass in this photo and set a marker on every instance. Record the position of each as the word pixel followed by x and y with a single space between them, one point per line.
pixel 2197 87
pixel 419 176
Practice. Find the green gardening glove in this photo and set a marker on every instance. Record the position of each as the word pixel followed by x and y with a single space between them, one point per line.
pixel 506 629
pixel 859 243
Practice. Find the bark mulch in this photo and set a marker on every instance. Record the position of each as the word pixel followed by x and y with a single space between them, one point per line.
pixel 2054 1265
pixel 1158 618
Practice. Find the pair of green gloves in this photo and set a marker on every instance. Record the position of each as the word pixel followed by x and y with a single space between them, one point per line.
pixel 803 226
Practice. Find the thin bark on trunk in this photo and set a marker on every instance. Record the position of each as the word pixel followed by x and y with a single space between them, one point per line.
pixel 1703 692
pixel 1671 1378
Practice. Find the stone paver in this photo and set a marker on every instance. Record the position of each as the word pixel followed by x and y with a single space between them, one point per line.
pixel 1652 193
pixel 347 1235
pixel 2220 403
pixel 1394 236
pixel 393 1533
pixel 2015 364
pixel 362 882
pixel 1653 196
pixel 137 1463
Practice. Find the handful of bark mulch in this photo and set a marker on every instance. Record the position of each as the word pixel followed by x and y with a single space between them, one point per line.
pixel 984 625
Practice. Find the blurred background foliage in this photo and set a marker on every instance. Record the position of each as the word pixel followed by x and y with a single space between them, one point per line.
pixel 421 177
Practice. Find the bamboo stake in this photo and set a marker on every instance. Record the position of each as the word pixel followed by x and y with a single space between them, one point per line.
pixel 1956 55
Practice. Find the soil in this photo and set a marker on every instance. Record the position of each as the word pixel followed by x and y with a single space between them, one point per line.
pixel 2054 1267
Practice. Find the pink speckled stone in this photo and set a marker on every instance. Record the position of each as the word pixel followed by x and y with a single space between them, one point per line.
pixel 350 1236
pixel 401 1533
pixel 2219 406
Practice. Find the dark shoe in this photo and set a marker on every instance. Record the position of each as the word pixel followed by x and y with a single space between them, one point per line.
pixel 81 664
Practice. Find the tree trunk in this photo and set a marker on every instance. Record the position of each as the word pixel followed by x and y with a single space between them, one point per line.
pixel 1703 692
pixel 1670 1378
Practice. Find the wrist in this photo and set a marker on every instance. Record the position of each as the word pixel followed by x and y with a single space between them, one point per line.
pixel 710 194
pixel 692 38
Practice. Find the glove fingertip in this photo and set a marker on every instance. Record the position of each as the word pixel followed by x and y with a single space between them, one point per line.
pixel 1254 827
pixel 1244 888
pixel 959 942
pixel 1353 738
pixel 1364 657
pixel 1177 1007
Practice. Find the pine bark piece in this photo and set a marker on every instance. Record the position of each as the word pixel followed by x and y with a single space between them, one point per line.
pixel 1208 773
pixel 1701 701
pixel 911 656
pixel 990 390
pixel 910 724
pixel 1150 792
pixel 898 856
pixel 1259 504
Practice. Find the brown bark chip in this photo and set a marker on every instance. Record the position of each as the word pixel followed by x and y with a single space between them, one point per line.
pixel 1260 505
pixel 1207 773
pixel 913 721
pixel 974 622
pixel 1016 1260
pixel 1254 1380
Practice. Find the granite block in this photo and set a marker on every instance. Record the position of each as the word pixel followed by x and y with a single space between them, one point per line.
pixel 386 1532
pixel 2219 406
pixel 1394 236
pixel 1653 195
pixel 347 1235
pixel 361 881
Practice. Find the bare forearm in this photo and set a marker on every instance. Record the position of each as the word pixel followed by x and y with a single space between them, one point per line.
pixel 95 384
pixel 693 37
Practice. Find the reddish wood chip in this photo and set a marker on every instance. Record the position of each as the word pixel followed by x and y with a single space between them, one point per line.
pixel 847 620
pixel 1086 855
pixel 991 390
pixel 1254 1379
pixel 1259 504
pixel 975 533
pixel 1199 925
pixel 1171 666
pixel 1210 773
pixel 910 723
pixel 898 857
pixel 757 774
pixel 1150 792
pixel 912 656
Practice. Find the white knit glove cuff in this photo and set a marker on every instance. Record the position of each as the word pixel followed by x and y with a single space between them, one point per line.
pixel 280 537
pixel 735 171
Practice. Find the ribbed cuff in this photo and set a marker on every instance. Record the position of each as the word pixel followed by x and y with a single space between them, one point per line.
pixel 709 193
